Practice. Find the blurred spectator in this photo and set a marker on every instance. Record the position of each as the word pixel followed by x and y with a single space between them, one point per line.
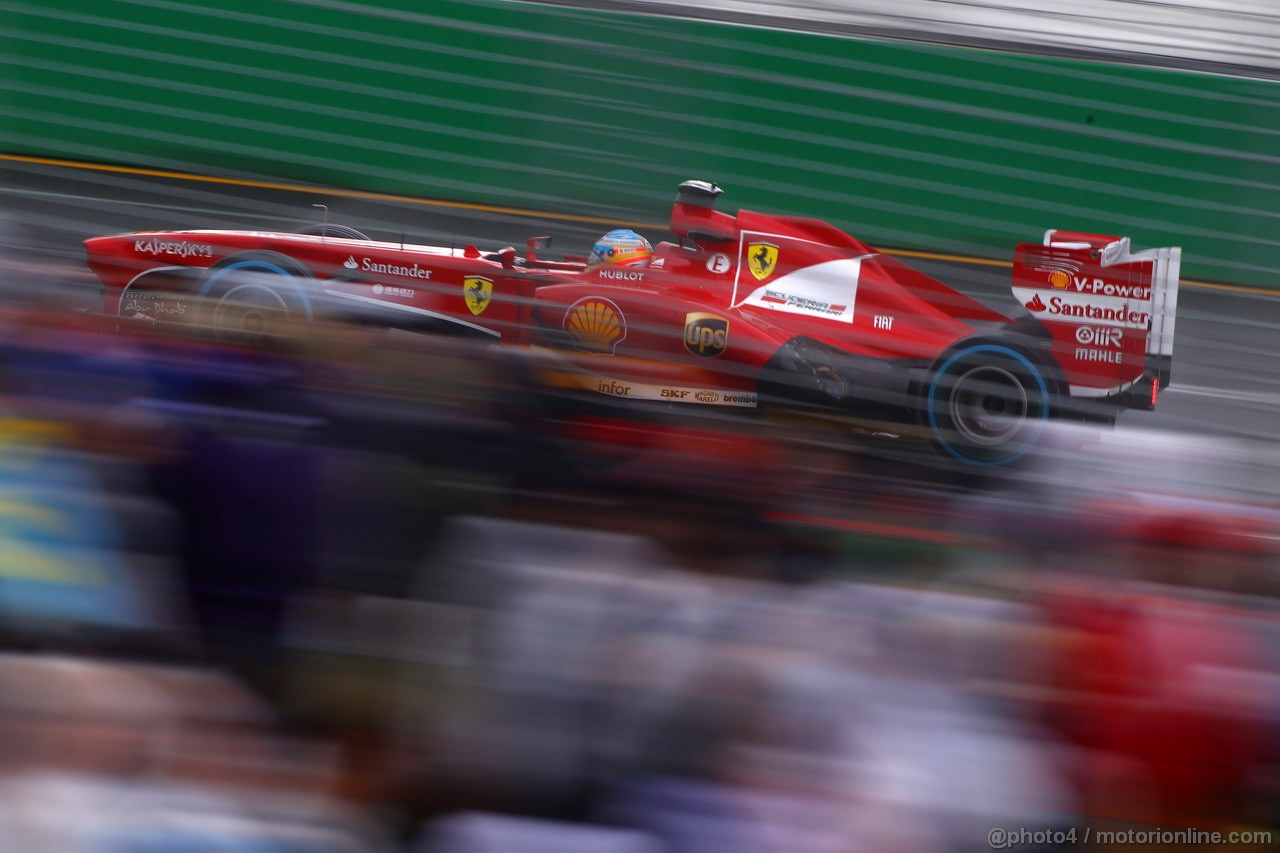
pixel 108 757
pixel 480 833
pixel 87 560
pixel 1160 679
pixel 284 584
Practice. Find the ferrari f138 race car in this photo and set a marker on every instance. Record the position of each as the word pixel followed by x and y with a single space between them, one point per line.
pixel 748 311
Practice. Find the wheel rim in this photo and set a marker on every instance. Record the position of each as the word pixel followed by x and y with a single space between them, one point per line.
pixel 250 308
pixel 988 405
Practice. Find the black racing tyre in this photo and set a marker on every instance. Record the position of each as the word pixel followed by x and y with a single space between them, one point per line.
pixel 254 296
pixel 987 404
pixel 330 229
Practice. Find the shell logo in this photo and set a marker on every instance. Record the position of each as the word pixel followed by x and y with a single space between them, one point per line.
pixel 596 325
pixel 1059 279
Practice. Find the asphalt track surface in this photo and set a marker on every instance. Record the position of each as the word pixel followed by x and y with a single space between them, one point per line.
pixel 1225 376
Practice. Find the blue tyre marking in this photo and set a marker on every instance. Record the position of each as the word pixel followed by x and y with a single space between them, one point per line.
pixel 262 266
pixel 998 350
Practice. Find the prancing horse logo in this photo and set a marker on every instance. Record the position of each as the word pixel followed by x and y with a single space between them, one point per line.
pixel 478 291
pixel 762 258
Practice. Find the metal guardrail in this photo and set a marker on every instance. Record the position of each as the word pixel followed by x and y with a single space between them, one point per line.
pixel 1236 36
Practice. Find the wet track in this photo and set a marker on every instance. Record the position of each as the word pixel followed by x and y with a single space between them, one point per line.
pixel 1225 377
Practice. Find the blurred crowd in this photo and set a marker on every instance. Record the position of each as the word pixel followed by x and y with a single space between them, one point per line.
pixel 357 590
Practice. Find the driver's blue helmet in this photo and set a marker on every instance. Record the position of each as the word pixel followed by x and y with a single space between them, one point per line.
pixel 621 247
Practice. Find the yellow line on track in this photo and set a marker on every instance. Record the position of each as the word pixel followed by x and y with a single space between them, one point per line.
pixel 1229 288
pixel 302 188
pixel 512 211
pixel 959 259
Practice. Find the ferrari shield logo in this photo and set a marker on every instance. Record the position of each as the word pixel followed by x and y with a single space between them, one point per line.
pixel 762 258
pixel 478 291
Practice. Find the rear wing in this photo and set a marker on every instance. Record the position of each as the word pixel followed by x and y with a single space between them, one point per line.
pixel 1110 311
pixel 1166 268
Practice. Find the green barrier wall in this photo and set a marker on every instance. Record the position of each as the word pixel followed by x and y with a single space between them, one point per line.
pixel 526 105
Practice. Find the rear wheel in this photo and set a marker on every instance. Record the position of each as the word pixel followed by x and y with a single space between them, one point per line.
pixel 987 404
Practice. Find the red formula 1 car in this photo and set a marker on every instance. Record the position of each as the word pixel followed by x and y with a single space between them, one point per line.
pixel 740 311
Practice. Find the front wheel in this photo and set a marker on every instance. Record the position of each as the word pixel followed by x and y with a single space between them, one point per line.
pixel 255 296
pixel 987 404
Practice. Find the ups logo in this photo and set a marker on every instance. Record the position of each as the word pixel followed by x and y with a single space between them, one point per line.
pixel 706 335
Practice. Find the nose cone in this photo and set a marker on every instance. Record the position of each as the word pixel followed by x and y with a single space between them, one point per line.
pixel 113 259
pixel 111 245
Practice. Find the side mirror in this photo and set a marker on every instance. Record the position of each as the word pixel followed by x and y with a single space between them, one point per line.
pixel 534 245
